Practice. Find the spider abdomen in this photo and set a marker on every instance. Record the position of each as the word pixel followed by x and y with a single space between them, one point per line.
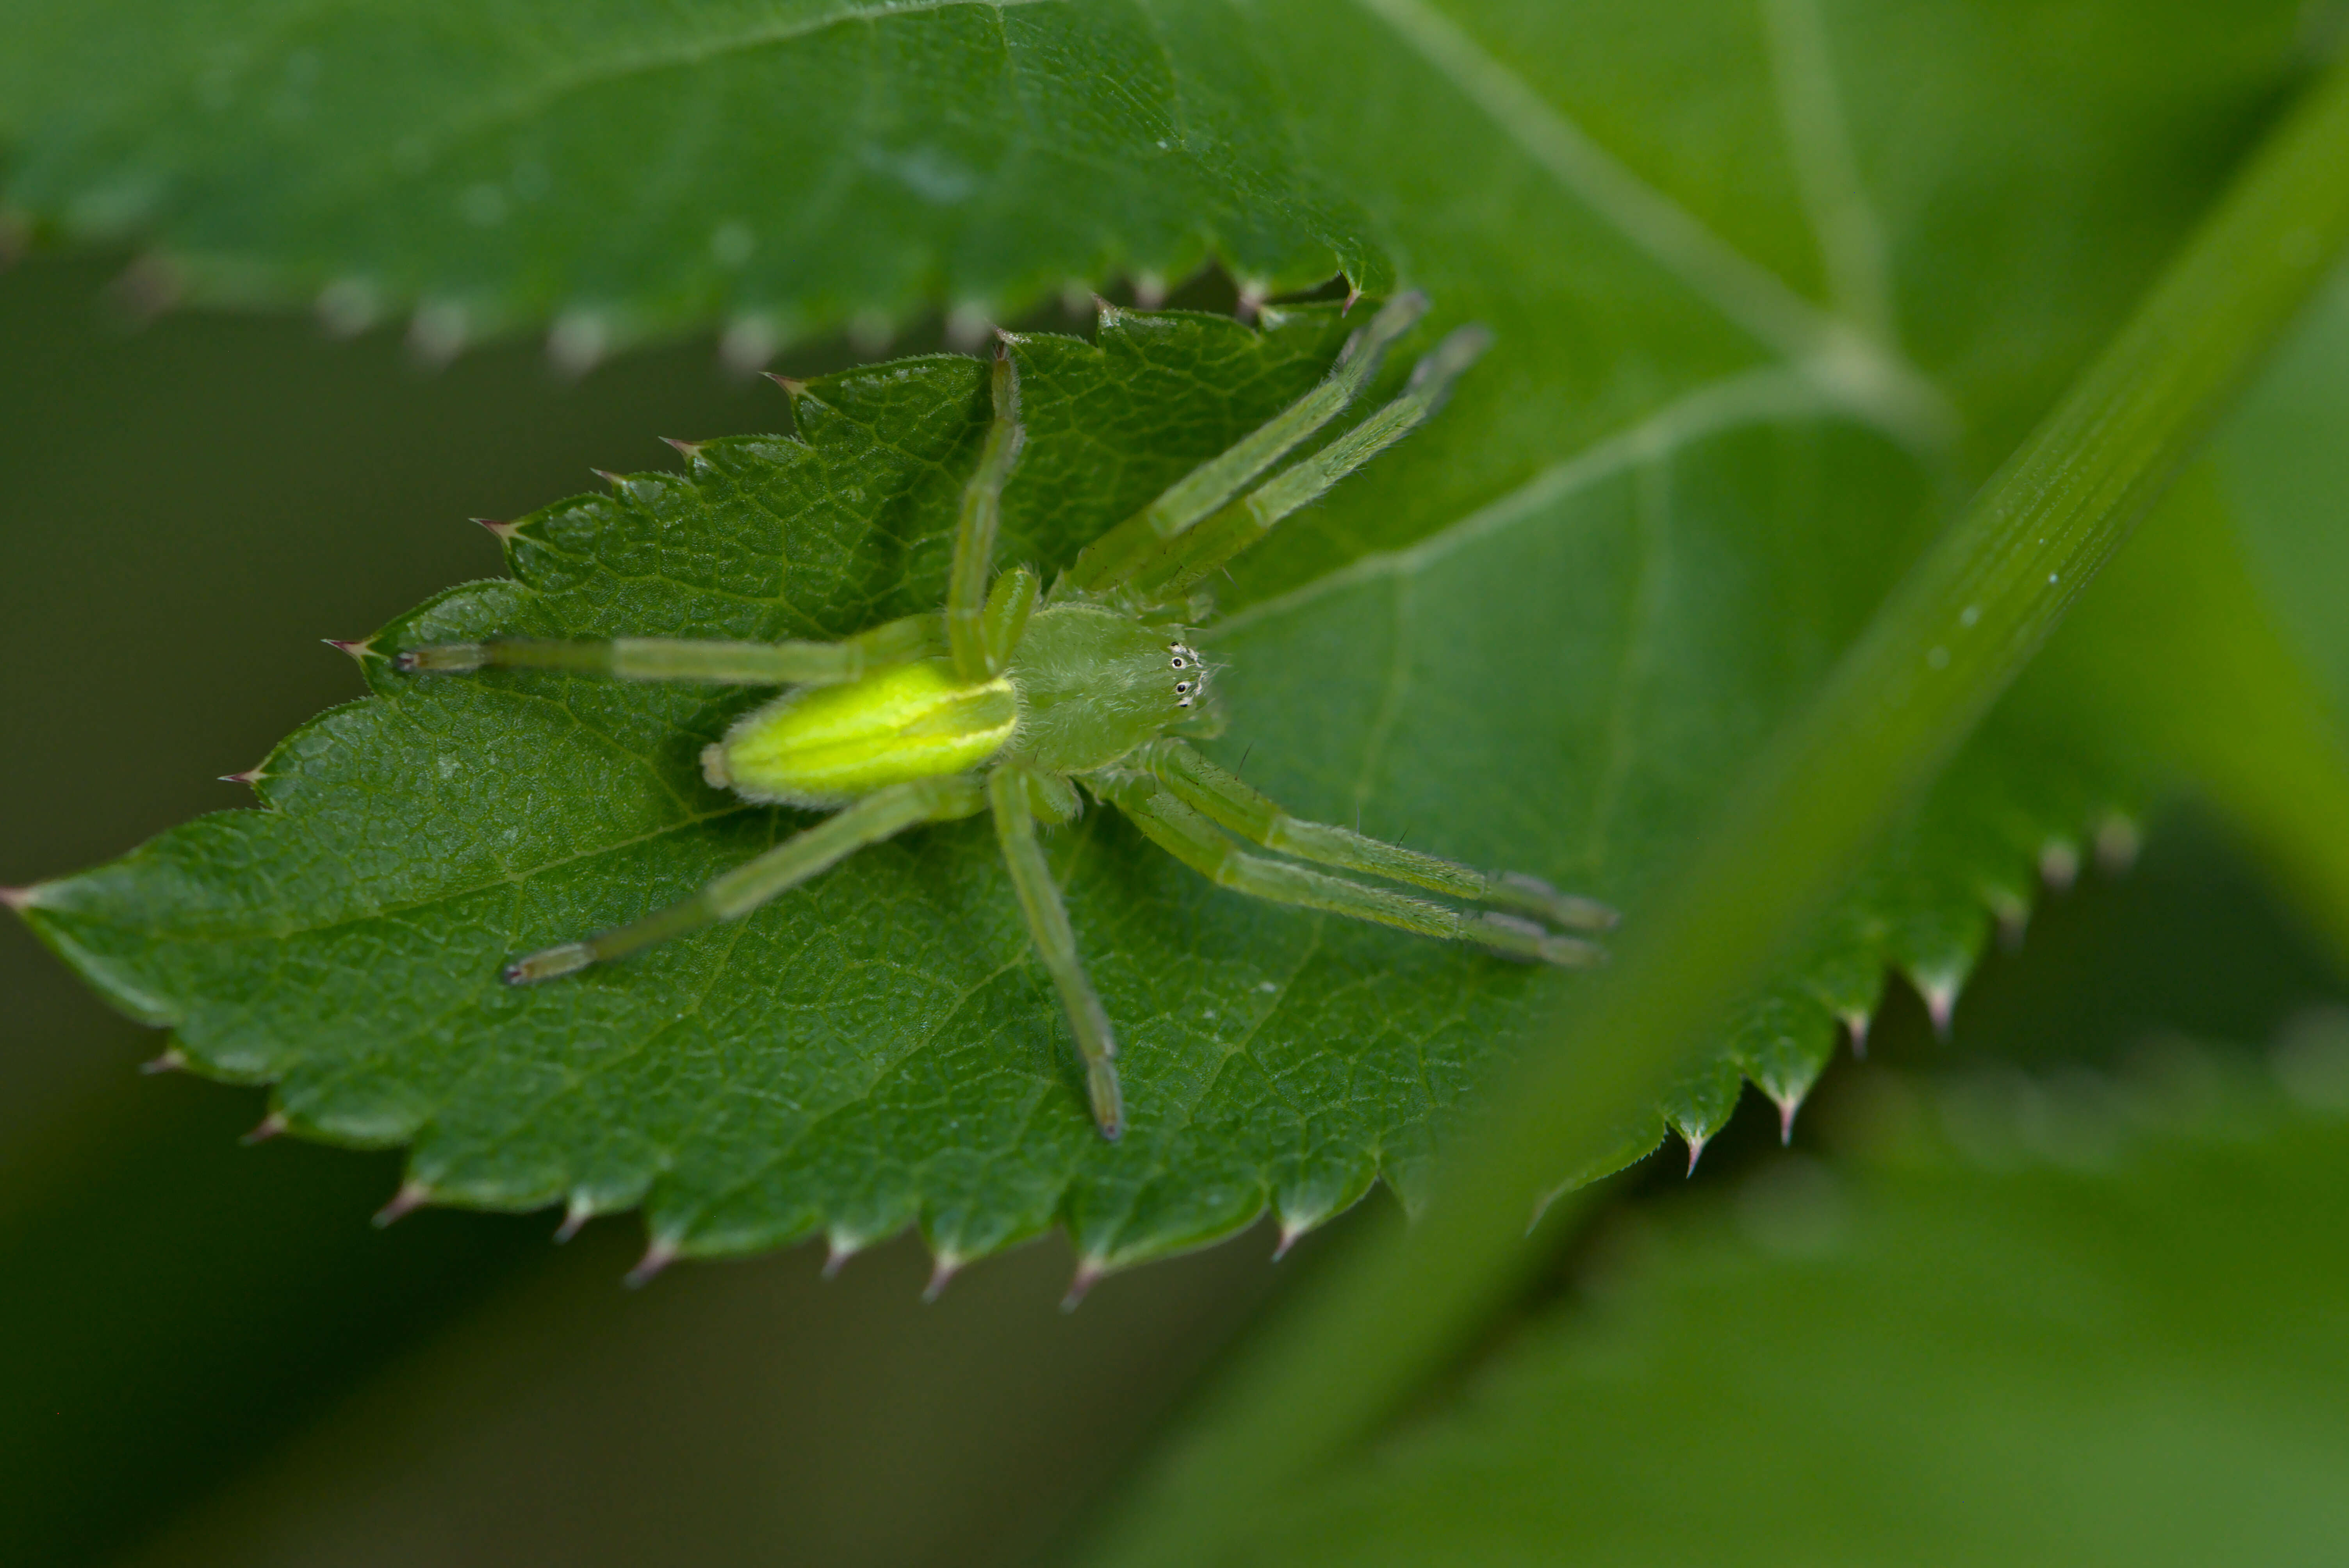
pixel 826 745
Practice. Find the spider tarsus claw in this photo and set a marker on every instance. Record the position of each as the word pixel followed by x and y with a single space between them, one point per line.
pixel 549 963
pixel 1108 1101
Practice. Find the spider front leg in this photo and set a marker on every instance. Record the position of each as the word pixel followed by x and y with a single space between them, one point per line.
pixel 1014 791
pixel 881 815
pixel 1113 558
pixel 687 659
pixel 1194 839
pixel 982 629
pixel 1189 557
pixel 1258 817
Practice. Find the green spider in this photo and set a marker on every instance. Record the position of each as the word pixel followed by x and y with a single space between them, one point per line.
pixel 1008 702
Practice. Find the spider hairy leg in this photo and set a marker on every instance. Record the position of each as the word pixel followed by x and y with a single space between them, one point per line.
pixel 684 659
pixel 881 815
pixel 976 658
pixel 1185 560
pixel 1113 558
pixel 1013 791
pixel 1222 798
pixel 1194 839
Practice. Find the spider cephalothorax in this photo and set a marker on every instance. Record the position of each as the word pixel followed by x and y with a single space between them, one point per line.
pixel 1008 701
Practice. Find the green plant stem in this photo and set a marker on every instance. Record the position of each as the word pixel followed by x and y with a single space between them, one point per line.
pixel 1381 1320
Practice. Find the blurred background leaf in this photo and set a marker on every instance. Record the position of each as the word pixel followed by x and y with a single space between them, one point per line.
pixel 631 170
pixel 2084 1318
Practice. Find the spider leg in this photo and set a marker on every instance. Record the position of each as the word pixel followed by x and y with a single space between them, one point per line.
pixel 687 659
pixel 1184 560
pixel 977 656
pixel 1194 839
pixel 1258 817
pixel 882 814
pixel 1110 560
pixel 1008 789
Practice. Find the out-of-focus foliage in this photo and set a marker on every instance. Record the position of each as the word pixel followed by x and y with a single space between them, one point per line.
pixel 2080 1319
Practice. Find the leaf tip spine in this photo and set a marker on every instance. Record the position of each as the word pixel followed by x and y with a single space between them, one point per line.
pixel 1788 1102
pixel 348 307
pixel 661 1252
pixel 968 325
pixel 1089 1274
pixel 1856 1023
pixel 362 650
pixel 267 1127
pixel 2117 842
pixel 171 1060
pixel 2059 865
pixel 19 899
pixel 747 345
pixel 690 450
pixel 576 344
pixel 412 1195
pixel 437 332
pixel 948 1264
pixel 581 1210
pixel 505 531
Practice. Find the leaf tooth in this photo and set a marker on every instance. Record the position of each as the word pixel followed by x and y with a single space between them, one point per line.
pixel 946 1265
pixel 348 307
pixel 577 343
pixel 2012 909
pixel 1090 1271
pixel 1940 994
pixel 2117 842
pixel 581 1208
pixel 658 1254
pixel 1254 292
pixel 362 650
pixel 795 389
pixel 1149 290
pixel 412 1195
pixel 173 1060
pixel 267 1127
pixel 2059 865
pixel 1788 1102
pixel 505 531
pixel 747 343
pixel 967 326
pixel 19 899
pixel 251 776
pixel 690 450
pixel 437 332
pixel 147 288
pixel 1855 1022
pixel 839 1247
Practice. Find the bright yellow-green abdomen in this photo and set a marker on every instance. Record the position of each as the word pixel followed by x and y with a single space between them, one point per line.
pixel 826 745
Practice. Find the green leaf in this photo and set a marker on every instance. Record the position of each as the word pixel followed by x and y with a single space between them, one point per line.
pixel 2080 1319
pixel 1547 632
pixel 632 169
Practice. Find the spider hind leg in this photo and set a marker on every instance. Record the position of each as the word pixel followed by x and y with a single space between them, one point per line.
pixel 881 815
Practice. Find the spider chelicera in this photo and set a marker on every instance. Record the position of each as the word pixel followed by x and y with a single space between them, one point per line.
pixel 1008 701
